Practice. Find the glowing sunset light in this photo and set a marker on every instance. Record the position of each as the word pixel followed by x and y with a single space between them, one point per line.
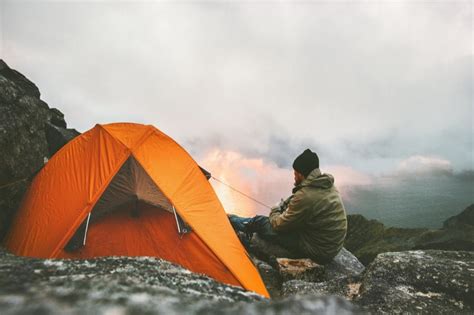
pixel 262 180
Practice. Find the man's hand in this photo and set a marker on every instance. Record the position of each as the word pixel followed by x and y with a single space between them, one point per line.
pixel 282 205
pixel 279 206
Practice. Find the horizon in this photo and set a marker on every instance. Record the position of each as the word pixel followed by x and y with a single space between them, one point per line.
pixel 383 92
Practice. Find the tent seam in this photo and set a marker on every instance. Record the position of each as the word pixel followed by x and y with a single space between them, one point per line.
pixel 90 205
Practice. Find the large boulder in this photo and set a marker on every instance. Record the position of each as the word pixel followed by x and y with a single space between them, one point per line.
pixel 429 282
pixel 140 285
pixel 30 133
pixel 343 265
pixel 341 277
pixel 292 268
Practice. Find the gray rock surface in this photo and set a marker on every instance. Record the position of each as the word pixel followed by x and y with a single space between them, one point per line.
pixel 141 285
pixel 30 132
pixel 344 264
pixel 347 287
pixel 270 276
pixel 430 282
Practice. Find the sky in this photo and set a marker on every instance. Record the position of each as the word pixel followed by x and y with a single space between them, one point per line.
pixel 377 88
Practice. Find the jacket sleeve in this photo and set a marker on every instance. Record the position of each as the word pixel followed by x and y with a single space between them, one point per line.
pixel 294 216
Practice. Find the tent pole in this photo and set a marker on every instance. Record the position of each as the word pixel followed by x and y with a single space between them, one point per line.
pixel 177 222
pixel 87 227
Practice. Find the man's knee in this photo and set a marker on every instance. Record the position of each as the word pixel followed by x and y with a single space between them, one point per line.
pixel 260 224
pixel 238 223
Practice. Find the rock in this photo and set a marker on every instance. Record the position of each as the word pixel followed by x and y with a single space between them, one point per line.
pixel 300 304
pixel 24 138
pixel 344 264
pixel 427 282
pixel 57 118
pixel 139 285
pixel 58 137
pixel 368 238
pixel 439 282
pixel 119 281
pixel 22 84
pixel 301 269
pixel 270 277
pixel 290 268
pixel 340 277
pixel 347 287
pixel 277 269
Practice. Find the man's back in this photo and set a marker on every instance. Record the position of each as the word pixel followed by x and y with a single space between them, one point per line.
pixel 316 213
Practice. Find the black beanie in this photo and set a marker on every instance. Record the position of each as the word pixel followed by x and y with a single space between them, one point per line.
pixel 306 162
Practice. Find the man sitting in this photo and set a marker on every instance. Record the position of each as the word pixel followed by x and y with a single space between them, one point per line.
pixel 311 223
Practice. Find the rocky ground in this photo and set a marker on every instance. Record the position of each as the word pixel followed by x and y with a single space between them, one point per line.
pixel 143 285
pixel 397 281
pixel 402 282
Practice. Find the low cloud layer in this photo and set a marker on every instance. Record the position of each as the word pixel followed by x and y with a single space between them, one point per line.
pixel 365 84
pixel 422 165
pixel 421 191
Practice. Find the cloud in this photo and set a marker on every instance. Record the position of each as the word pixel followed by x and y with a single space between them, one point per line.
pixel 363 84
pixel 424 165
pixel 347 176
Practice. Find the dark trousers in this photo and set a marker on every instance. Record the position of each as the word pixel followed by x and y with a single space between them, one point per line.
pixel 260 224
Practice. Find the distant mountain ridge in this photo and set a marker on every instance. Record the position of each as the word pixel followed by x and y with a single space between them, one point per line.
pixel 411 201
pixel 368 238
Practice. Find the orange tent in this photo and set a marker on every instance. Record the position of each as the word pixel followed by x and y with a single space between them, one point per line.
pixel 130 190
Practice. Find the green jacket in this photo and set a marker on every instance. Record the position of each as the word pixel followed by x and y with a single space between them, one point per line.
pixel 316 214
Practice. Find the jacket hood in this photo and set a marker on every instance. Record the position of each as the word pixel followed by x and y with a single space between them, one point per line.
pixel 318 180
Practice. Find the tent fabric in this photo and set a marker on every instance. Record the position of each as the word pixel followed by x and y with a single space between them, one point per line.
pixel 89 171
pixel 151 233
